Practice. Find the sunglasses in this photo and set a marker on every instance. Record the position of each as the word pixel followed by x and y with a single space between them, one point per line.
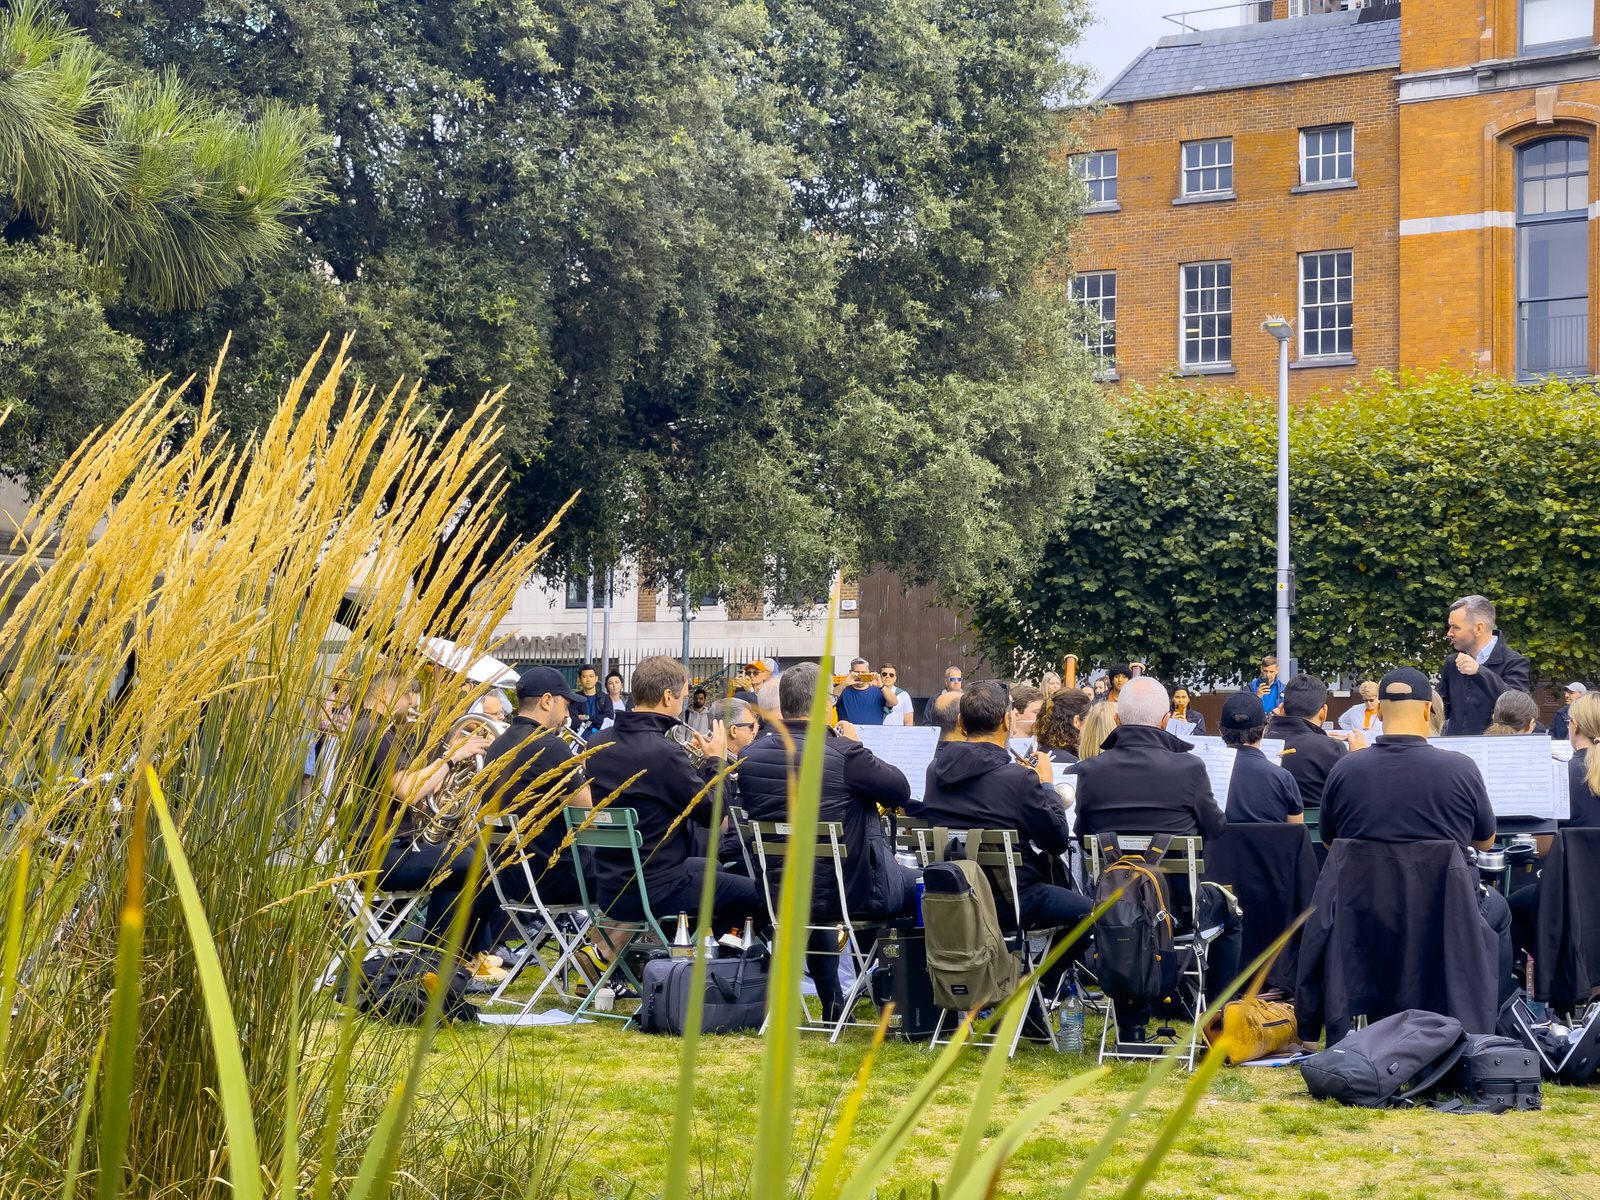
pixel 743 725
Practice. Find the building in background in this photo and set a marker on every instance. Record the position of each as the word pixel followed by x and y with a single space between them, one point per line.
pixel 551 623
pixel 1410 184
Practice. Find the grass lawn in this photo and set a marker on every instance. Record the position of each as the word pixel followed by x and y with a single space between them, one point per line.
pixel 1256 1135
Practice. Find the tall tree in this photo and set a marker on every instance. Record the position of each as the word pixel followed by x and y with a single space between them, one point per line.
pixel 769 284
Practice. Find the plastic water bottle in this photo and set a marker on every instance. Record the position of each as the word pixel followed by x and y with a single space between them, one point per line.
pixel 1069 1022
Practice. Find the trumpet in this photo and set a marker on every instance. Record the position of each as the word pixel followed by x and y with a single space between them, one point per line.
pixel 447 809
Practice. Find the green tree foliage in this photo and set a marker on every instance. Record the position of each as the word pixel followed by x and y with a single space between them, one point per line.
pixel 168 195
pixel 763 282
pixel 1406 494
pixel 63 371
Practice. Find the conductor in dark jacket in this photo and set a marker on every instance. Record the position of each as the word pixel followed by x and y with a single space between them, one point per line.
pixel 1144 780
pixel 1481 669
pixel 855 784
pixel 976 784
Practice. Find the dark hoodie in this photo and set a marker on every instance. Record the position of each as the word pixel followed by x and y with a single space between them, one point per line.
pixel 978 785
pixel 1144 780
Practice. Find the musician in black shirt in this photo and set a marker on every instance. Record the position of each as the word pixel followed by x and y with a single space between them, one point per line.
pixel 393 778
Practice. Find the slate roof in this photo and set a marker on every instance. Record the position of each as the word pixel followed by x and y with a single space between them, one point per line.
pixel 1215 60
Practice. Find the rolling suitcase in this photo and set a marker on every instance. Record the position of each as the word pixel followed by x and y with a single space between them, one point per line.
pixel 907 985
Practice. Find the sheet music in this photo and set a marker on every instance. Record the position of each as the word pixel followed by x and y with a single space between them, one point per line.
pixel 1179 728
pixel 909 747
pixel 1560 789
pixel 1516 770
pixel 1218 757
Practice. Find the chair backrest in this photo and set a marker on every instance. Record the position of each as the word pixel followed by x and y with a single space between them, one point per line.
pixel 1186 855
pixel 608 829
pixel 774 841
pixel 930 843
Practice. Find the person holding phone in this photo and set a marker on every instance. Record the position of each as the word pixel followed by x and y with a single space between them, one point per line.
pixel 864 698
pixel 1267 687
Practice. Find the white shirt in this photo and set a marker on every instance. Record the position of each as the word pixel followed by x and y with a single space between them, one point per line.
pixel 901 710
pixel 1352 718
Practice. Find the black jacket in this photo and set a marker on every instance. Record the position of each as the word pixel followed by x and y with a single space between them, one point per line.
pixel 1561 723
pixel 531 780
pixel 1357 957
pixel 1566 961
pixel 978 785
pixel 1144 780
pixel 1273 871
pixel 1469 699
pixel 1585 812
pixel 1315 754
pixel 661 796
pixel 854 784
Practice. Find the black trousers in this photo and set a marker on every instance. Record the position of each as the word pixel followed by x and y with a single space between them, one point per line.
pixel 1046 906
pixel 823 949
pixel 1497 916
pixel 406 868
pixel 733 899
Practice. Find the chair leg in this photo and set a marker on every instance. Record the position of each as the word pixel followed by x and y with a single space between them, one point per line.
pixel 858 987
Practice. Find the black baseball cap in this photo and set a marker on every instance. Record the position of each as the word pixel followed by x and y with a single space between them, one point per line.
pixel 1405 683
pixel 536 681
pixel 1243 710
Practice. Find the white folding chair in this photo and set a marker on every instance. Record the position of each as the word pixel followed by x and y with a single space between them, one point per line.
pixel 1185 858
pixel 773 842
pixel 1000 851
pixel 536 923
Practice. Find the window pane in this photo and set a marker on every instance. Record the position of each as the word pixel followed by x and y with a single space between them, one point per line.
pixel 1207 314
pixel 1547 22
pixel 1553 260
pixel 1097 292
pixel 1326 312
pixel 1553 337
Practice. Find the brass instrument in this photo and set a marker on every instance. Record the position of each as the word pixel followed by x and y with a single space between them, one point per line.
pixel 684 735
pixel 449 807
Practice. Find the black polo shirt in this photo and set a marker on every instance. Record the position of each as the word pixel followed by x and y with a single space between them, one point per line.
pixel 1401 789
pixel 377 750
pixel 531 778
pixel 1259 792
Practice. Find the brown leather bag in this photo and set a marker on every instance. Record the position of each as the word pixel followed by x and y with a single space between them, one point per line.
pixel 1253 1027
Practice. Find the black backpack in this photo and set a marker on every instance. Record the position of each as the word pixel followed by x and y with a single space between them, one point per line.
pixel 1395 1061
pixel 1134 957
pixel 397 986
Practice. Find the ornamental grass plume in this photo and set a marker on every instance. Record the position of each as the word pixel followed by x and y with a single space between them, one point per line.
pixel 180 602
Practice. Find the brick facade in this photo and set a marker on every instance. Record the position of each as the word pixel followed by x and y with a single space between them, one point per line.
pixel 1261 232
pixel 1432 222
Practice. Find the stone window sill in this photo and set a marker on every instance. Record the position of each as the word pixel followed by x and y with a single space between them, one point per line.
pixel 1108 206
pixel 1205 198
pixel 1337 185
pixel 1226 368
pixel 1327 360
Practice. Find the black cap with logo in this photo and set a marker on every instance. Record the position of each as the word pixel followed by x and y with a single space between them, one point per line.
pixel 536 681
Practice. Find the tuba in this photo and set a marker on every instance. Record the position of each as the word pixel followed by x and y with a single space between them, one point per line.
pixel 449 808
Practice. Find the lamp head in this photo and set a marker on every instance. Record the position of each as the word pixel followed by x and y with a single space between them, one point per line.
pixel 1278 327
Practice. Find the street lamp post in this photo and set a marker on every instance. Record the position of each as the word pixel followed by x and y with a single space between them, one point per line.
pixel 1283 331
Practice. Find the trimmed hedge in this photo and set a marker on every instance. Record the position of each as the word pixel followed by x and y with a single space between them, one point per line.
pixel 1406 493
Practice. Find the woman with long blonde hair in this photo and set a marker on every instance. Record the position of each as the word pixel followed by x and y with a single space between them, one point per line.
pixel 1097 727
pixel 1583 772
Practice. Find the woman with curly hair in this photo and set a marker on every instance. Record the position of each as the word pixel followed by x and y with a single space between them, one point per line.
pixel 1059 729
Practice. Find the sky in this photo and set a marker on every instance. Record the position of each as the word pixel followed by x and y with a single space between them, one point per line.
pixel 1122 28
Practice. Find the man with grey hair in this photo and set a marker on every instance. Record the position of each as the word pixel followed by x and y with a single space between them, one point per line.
pixel 1144 781
pixel 1480 671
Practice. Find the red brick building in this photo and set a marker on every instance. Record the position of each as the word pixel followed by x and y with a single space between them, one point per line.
pixel 1410 187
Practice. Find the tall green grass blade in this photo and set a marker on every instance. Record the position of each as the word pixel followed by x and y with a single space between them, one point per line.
pixel 233 1086
pixel 338 1090
pixel 994 1068
pixel 116 1110
pixel 80 1127
pixel 827 1184
pixel 289 1165
pixel 979 1180
pixel 863 1183
pixel 375 1176
pixel 1173 1125
pixel 775 1118
pixel 13 947
pixel 683 1114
